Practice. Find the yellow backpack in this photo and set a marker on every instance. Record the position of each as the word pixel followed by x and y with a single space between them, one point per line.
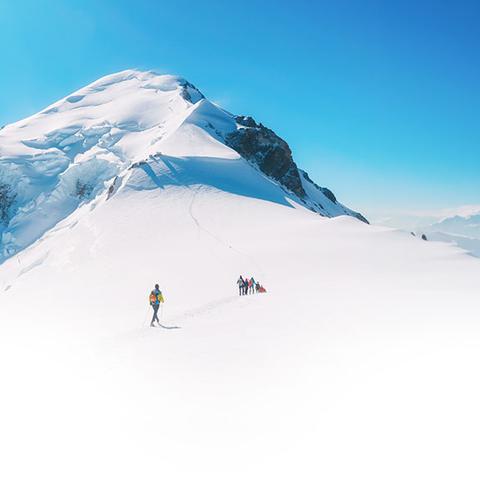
pixel 154 298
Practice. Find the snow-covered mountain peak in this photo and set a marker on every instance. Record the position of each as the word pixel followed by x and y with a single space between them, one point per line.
pixel 130 98
pixel 87 146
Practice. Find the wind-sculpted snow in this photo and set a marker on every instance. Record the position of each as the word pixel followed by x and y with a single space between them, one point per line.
pixel 214 173
pixel 84 146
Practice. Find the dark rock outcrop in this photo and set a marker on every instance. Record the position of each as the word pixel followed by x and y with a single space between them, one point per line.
pixel 260 145
pixel 189 92
pixel 83 190
pixel 360 217
pixel 7 198
pixel 272 155
pixel 328 193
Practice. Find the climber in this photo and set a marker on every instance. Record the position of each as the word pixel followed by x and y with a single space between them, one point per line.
pixel 156 298
pixel 251 285
pixel 240 283
pixel 245 286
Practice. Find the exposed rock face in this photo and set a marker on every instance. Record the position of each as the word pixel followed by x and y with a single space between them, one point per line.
pixel 190 93
pixel 263 147
pixel 83 190
pixel 360 217
pixel 7 198
pixel 328 193
pixel 260 145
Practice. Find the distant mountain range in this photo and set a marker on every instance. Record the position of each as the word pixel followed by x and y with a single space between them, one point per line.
pixel 461 230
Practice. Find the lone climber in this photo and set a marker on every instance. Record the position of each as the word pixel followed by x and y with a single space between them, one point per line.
pixel 156 298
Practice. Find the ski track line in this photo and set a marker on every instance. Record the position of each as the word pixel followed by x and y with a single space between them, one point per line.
pixel 208 307
pixel 144 331
pixel 218 239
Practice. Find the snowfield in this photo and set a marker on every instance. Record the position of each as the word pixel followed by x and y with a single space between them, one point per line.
pixel 360 361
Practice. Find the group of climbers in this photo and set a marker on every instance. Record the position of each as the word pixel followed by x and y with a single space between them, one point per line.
pixel 247 286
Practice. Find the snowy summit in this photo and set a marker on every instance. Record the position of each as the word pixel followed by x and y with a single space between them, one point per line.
pixel 138 130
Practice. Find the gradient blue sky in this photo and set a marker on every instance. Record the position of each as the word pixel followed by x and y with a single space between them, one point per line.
pixel 379 100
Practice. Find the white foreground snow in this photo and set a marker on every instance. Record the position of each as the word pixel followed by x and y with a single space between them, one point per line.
pixel 360 362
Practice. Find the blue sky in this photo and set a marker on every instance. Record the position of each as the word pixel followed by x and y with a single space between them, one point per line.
pixel 379 100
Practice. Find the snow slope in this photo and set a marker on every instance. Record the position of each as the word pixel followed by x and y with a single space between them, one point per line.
pixel 361 356
pixel 359 362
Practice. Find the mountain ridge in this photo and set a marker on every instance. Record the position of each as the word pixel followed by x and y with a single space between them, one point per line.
pixel 85 144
